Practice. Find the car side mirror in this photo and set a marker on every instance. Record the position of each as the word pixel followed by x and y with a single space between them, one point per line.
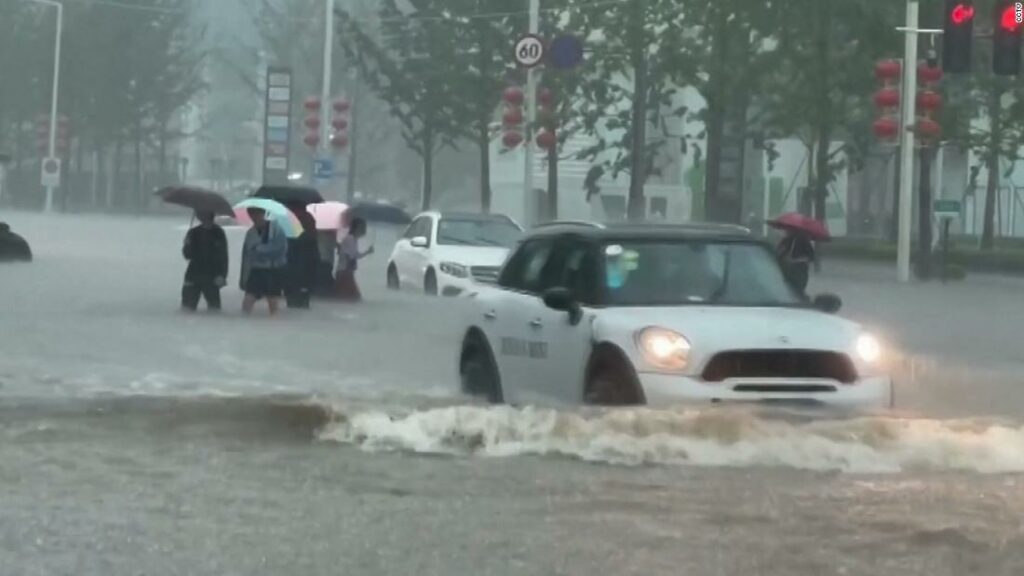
pixel 419 242
pixel 829 303
pixel 562 299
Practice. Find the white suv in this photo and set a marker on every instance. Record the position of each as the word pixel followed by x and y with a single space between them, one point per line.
pixel 449 253
pixel 631 314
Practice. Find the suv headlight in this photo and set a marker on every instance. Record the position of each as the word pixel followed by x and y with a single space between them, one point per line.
pixel 663 348
pixel 868 349
pixel 453 269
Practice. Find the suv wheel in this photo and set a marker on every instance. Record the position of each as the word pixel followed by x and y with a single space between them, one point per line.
pixel 393 282
pixel 478 371
pixel 430 283
pixel 611 381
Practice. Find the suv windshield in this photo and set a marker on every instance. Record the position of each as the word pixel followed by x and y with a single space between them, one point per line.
pixel 477 232
pixel 663 273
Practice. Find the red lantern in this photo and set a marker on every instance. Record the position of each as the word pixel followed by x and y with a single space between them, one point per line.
pixel 340 124
pixel 546 97
pixel 512 139
pixel 929 100
pixel 513 117
pixel 514 95
pixel 887 98
pixel 886 128
pixel 887 69
pixel 311 140
pixel 311 104
pixel 928 128
pixel 342 105
pixel 339 141
pixel 929 74
pixel 546 140
pixel 312 122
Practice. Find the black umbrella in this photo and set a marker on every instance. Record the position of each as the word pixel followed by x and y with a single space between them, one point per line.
pixel 374 212
pixel 290 195
pixel 197 199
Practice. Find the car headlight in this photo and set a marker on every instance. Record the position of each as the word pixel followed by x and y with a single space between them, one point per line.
pixel 663 348
pixel 868 348
pixel 453 269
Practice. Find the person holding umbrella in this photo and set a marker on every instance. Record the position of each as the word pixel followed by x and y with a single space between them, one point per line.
pixel 303 261
pixel 348 261
pixel 206 250
pixel 796 250
pixel 264 258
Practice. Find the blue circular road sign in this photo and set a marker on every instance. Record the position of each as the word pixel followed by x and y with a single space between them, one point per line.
pixel 566 52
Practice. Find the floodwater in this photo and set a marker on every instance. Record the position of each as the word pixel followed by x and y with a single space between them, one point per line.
pixel 137 440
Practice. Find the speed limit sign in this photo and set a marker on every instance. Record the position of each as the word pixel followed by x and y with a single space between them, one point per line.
pixel 530 51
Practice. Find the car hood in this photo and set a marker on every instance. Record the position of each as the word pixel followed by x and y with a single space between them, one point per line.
pixel 712 329
pixel 471 255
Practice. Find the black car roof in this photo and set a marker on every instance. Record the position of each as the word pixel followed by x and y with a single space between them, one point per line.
pixel 473 216
pixel 643 231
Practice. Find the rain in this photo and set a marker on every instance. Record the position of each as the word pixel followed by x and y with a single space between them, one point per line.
pixel 276 300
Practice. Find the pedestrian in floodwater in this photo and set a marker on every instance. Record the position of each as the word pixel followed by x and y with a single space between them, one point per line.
pixel 796 253
pixel 303 262
pixel 348 261
pixel 206 249
pixel 264 259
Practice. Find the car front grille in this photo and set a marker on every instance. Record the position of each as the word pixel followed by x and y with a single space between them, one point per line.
pixel 486 274
pixel 796 364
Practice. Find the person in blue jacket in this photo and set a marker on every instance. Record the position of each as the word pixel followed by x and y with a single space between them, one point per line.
pixel 264 263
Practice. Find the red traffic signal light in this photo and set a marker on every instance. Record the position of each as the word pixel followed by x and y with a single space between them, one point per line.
pixel 961 13
pixel 1006 38
pixel 958 36
pixel 1009 21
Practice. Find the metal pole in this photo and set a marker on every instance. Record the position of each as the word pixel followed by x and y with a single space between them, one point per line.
pixel 906 206
pixel 52 146
pixel 529 215
pixel 325 90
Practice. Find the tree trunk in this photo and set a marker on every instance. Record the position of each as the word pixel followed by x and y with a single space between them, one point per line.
pixel 162 160
pixel 484 109
pixel 822 35
pixel 637 208
pixel 714 209
pixel 114 179
pixel 992 185
pixel 484 146
pixel 428 168
pixel 553 183
pixel 924 215
pixel 97 165
pixel 822 172
pixel 138 170
pixel 894 215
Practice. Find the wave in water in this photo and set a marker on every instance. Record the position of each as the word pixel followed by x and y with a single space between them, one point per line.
pixel 717 437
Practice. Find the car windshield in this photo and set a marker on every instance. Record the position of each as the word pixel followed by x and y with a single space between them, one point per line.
pixel 477 232
pixel 694 273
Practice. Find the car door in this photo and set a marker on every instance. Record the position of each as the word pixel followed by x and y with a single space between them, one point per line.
pixel 409 257
pixel 558 373
pixel 516 344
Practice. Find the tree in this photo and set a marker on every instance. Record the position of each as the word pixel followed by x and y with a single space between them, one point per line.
pixel 408 65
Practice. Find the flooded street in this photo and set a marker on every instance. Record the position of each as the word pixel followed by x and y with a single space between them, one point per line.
pixel 137 440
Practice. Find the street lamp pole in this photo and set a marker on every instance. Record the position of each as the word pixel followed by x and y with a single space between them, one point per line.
pixel 325 90
pixel 529 208
pixel 52 146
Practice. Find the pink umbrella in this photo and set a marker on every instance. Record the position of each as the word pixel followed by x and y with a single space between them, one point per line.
pixel 800 223
pixel 328 215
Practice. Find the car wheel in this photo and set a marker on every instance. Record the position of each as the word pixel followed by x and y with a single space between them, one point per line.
pixel 430 283
pixel 611 380
pixel 478 372
pixel 393 282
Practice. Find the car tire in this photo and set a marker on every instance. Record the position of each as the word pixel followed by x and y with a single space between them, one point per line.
pixel 394 283
pixel 430 283
pixel 478 371
pixel 611 380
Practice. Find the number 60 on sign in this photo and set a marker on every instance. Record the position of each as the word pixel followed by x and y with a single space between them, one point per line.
pixel 529 51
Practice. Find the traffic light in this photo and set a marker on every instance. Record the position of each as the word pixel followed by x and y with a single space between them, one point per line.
pixel 958 36
pixel 1006 38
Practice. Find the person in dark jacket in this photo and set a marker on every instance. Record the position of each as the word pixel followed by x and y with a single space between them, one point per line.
pixel 206 249
pixel 796 254
pixel 303 262
pixel 13 248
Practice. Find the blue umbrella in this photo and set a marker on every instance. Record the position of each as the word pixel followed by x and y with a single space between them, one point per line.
pixel 276 212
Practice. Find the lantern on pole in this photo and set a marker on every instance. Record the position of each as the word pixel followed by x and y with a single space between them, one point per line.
pixel 929 102
pixel 311 122
pixel 546 139
pixel 340 123
pixel 887 99
pixel 513 117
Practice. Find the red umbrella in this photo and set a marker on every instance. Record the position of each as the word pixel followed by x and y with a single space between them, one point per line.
pixel 800 223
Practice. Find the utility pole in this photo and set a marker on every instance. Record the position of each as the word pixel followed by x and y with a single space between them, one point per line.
pixel 529 208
